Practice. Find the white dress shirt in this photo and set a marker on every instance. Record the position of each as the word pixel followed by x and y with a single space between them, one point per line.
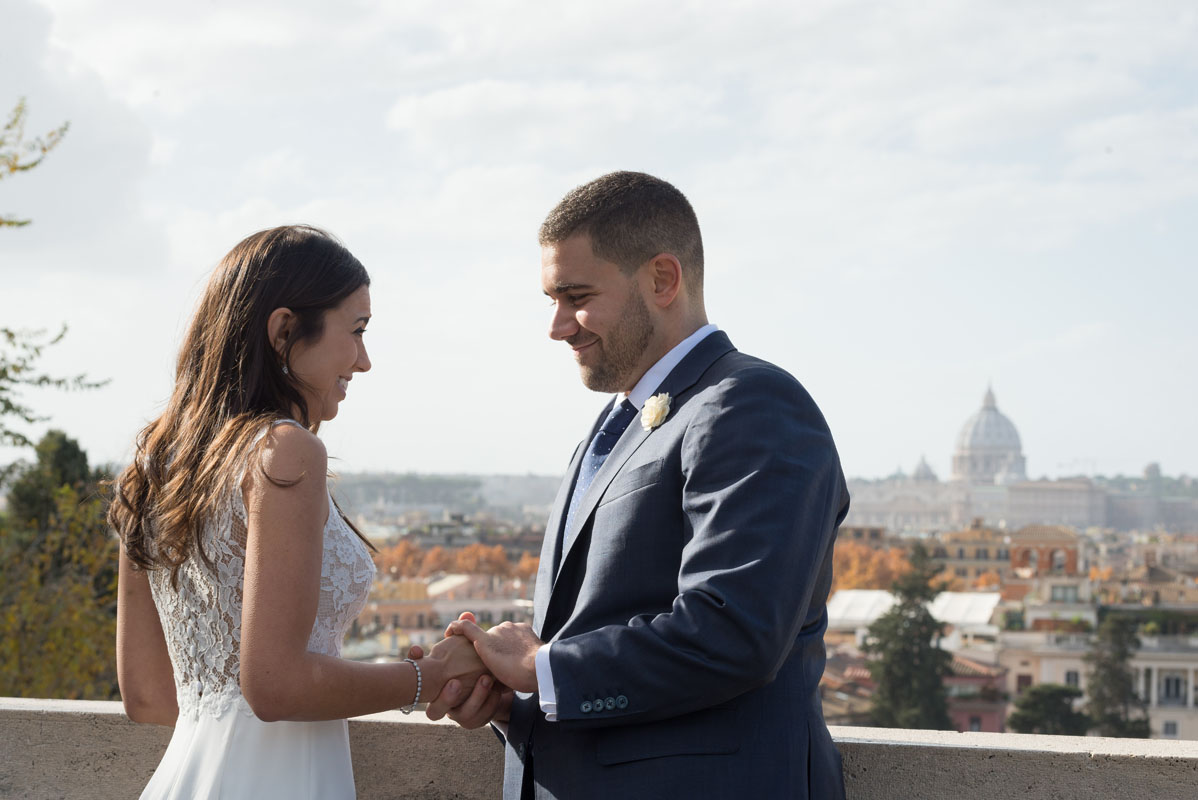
pixel 644 389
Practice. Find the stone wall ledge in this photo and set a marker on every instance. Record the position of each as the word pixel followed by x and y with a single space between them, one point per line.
pixel 85 749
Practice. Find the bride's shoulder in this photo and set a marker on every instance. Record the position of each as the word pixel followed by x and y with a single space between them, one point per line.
pixel 287 455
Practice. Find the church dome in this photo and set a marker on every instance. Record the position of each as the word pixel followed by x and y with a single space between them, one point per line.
pixel 988 446
pixel 923 471
pixel 989 429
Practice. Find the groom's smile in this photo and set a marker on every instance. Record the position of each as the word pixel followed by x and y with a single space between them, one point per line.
pixel 599 312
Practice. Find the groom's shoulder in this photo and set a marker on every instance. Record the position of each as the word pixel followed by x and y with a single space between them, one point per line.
pixel 737 369
pixel 738 374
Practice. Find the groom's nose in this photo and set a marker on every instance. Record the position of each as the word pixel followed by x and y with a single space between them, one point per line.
pixel 562 324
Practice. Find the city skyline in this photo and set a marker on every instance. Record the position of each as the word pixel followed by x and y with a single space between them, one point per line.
pixel 901 205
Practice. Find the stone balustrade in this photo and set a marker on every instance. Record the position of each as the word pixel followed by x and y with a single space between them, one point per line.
pixel 78 749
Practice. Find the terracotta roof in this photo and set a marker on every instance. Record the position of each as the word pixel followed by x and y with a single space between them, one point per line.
pixel 1048 533
pixel 967 667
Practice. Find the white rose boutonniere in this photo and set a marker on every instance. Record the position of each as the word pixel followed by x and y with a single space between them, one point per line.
pixel 656 409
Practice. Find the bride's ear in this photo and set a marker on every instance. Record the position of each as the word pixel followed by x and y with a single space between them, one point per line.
pixel 278 328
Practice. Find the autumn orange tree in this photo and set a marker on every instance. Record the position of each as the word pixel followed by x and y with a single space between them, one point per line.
pixel 436 559
pixel 478 559
pixel 526 567
pixel 859 566
pixel 948 581
pixel 990 579
pixel 401 560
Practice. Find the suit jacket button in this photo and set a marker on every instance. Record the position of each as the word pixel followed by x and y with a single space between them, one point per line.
pixel 609 703
pixel 621 702
pixel 520 751
pixel 585 707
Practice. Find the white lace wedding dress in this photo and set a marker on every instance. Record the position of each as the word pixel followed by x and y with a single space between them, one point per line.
pixel 219 748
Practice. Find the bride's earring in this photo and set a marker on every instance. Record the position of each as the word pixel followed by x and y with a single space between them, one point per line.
pixel 285 370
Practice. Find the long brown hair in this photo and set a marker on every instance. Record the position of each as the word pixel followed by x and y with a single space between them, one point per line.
pixel 229 385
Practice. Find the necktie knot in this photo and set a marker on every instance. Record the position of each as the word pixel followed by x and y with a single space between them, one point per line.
pixel 613 427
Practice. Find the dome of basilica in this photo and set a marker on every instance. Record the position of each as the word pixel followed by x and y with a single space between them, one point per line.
pixel 988 446
pixel 989 429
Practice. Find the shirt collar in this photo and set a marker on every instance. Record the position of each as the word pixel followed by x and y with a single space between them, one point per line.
pixel 657 373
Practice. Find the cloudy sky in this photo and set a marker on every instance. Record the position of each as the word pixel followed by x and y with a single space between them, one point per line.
pixel 901 203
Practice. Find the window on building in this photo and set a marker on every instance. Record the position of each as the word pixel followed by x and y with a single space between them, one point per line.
pixel 1172 689
pixel 1022 682
pixel 1003 554
pixel 1169 729
pixel 975 723
pixel 394 621
pixel 961 572
pixel 939 552
pixel 960 552
pixel 1064 594
pixel 1058 560
pixel 982 553
pixel 1072 678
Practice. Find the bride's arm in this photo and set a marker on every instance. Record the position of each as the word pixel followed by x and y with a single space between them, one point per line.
pixel 143 665
pixel 280 679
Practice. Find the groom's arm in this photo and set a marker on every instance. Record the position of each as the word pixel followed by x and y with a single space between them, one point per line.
pixel 763 493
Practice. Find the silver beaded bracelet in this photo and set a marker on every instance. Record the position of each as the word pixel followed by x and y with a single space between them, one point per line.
pixel 419 686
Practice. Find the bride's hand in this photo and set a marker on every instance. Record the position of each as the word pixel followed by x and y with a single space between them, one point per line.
pixel 451 658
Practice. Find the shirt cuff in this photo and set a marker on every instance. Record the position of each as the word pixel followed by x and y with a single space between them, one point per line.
pixel 545 684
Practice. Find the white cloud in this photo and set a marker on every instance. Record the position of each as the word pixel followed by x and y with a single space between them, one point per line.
pixel 899 200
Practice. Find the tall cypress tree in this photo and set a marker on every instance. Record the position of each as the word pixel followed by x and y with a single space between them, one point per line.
pixel 906 661
pixel 1115 708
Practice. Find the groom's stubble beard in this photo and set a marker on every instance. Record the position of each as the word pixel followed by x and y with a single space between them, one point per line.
pixel 622 348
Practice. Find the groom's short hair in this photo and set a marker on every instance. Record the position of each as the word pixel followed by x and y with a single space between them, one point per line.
pixel 630 217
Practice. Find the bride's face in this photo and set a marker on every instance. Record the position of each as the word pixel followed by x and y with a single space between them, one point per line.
pixel 323 368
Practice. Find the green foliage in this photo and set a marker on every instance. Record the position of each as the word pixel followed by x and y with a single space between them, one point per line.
pixel 906 661
pixel 19 352
pixel 58 582
pixel 1048 708
pixel 18 155
pixel 60 462
pixel 1115 708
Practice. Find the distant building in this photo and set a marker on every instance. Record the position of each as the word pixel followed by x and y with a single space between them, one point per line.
pixel 973 552
pixel 977 696
pixel 989 482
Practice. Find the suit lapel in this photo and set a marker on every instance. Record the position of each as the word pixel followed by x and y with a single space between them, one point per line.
pixel 680 379
pixel 549 552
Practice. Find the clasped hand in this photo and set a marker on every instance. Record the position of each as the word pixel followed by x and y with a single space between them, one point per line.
pixel 507 651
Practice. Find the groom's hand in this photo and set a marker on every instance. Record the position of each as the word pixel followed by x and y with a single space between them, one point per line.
pixel 486 703
pixel 509 651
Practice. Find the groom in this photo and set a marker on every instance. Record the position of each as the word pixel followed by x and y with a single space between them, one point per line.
pixel 677 643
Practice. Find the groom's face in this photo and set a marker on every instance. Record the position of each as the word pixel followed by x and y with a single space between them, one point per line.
pixel 599 311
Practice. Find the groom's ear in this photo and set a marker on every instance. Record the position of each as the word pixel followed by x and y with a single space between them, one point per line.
pixel 665 272
pixel 278 328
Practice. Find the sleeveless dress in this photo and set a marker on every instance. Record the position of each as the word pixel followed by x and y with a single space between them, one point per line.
pixel 219 748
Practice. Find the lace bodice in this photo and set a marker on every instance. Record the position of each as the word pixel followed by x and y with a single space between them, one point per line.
pixel 202 620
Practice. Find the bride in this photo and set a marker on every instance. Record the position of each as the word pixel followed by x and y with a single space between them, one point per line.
pixel 239 575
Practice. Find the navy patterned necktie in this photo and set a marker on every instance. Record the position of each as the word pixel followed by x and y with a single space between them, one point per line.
pixel 601 446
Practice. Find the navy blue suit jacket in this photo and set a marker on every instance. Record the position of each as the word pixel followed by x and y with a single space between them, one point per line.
pixel 688 611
